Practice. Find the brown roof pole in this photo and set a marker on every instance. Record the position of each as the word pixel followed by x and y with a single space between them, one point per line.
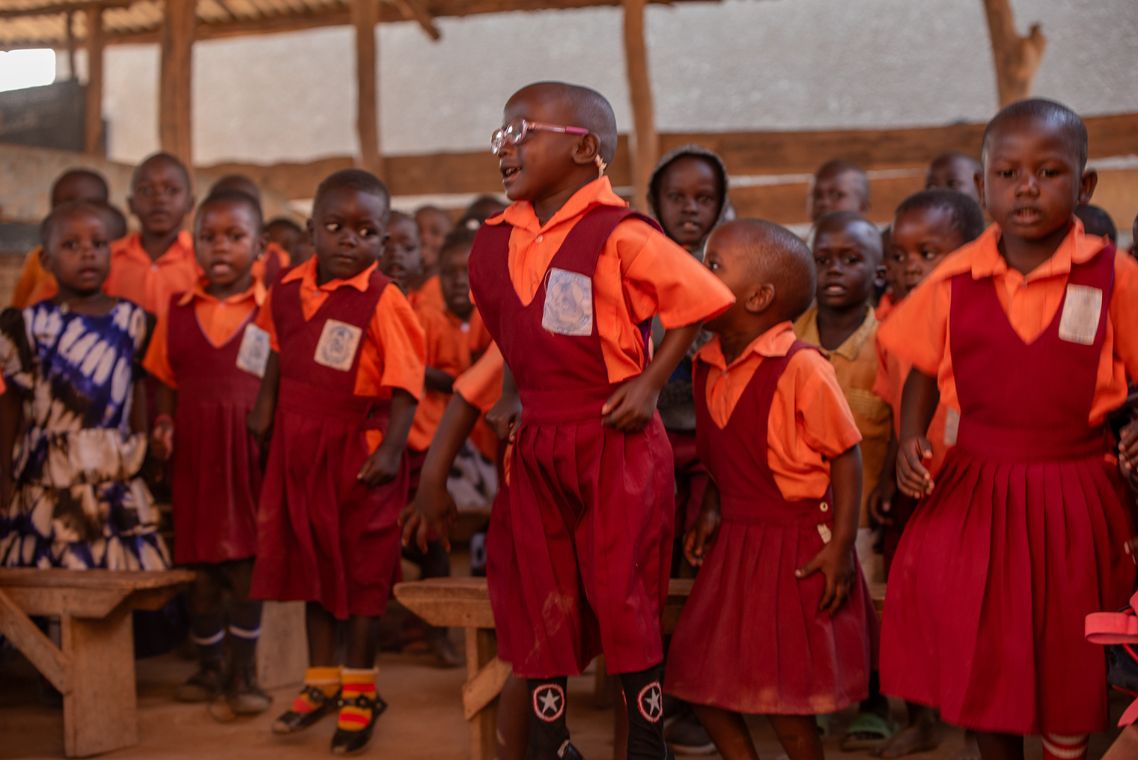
pixel 645 142
pixel 365 16
pixel 175 120
pixel 1017 58
pixel 93 125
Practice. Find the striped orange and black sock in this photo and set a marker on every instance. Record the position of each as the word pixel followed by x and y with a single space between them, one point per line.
pixel 327 680
pixel 357 683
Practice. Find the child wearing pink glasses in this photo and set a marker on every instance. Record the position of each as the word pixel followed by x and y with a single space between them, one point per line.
pixel 567 280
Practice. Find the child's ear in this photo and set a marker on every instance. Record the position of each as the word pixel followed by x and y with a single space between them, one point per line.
pixel 310 229
pixel 1087 186
pixel 760 298
pixel 130 204
pixel 588 150
pixel 978 178
pixel 260 243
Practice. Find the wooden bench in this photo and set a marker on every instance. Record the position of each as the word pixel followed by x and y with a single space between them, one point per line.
pixel 464 603
pixel 94 666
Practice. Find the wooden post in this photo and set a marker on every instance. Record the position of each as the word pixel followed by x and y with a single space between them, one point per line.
pixel 365 16
pixel 1016 58
pixel 645 142
pixel 93 129
pixel 175 120
pixel 72 74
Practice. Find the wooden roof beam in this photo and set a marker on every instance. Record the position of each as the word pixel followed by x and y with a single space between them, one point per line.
pixel 413 10
pixel 59 9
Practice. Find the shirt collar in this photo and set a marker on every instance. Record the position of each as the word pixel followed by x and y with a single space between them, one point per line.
pixel 851 346
pixel 183 246
pixel 306 273
pixel 256 291
pixel 773 343
pixel 599 192
pixel 1076 248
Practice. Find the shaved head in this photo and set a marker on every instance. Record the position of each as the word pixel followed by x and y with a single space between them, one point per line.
pixel 239 183
pixel 855 225
pixel 160 159
pixel 580 107
pixel 775 255
pixel 79 184
pixel 1043 112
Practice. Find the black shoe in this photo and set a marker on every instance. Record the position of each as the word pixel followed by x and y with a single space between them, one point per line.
pixel 203 685
pixel 350 742
pixel 291 721
pixel 569 752
pixel 686 736
pixel 243 694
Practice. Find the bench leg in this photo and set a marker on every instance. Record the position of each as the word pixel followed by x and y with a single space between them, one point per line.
pixel 100 713
pixel 282 651
pixel 481 648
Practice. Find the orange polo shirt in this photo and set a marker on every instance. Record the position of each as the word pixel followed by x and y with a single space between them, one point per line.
pixel 918 330
pixel 855 364
pixel 429 294
pixel 219 320
pixel 481 385
pixel 640 273
pixel 810 422
pixel 35 283
pixel 135 277
pixel 452 346
pixel 884 307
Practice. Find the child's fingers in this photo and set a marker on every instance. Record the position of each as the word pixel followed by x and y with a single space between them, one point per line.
pixel 827 595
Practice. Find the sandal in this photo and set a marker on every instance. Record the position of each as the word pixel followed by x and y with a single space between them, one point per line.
pixel 350 742
pixel 291 721
pixel 868 731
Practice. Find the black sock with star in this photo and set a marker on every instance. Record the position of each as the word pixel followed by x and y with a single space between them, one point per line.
pixel 644 700
pixel 548 732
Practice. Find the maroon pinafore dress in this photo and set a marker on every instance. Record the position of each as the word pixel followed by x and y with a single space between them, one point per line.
pixel 580 537
pixel 323 535
pixel 1022 536
pixel 216 473
pixel 750 637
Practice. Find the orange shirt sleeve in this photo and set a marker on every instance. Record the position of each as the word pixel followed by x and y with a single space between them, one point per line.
pixel 1124 315
pixel 395 349
pixel 157 360
pixel 481 385
pixel 30 275
pixel 810 423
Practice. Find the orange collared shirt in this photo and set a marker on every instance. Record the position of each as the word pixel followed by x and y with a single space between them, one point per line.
pixel 429 294
pixel 855 364
pixel 219 320
pixel 481 385
pixel 640 273
pixel 150 283
pixel 884 307
pixel 810 422
pixel 393 350
pixel 35 283
pixel 918 330
pixel 452 345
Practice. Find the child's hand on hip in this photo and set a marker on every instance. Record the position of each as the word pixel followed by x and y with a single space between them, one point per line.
pixel 381 467
pixel 837 565
pixel 698 539
pixel 431 514
pixel 631 407
pixel 1128 452
pixel 913 477
pixel 503 416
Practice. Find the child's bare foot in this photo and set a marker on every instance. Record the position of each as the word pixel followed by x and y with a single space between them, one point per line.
pixel 916 737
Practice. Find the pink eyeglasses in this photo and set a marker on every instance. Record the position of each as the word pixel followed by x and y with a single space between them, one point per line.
pixel 516 132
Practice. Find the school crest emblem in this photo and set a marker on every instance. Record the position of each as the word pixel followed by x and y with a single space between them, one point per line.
pixel 338 344
pixel 253 355
pixel 650 702
pixel 568 303
pixel 549 702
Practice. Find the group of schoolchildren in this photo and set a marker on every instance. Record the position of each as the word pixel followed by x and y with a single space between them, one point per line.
pixel 687 393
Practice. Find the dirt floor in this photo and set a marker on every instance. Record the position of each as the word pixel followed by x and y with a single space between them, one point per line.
pixel 424 720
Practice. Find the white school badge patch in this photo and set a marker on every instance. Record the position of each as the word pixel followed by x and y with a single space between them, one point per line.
pixel 1082 309
pixel 337 346
pixel 253 355
pixel 568 303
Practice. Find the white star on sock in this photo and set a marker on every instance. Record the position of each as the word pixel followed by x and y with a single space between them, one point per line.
pixel 548 701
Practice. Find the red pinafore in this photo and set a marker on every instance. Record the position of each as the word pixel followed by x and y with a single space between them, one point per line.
pixel 1022 536
pixel 323 535
pixel 581 531
pixel 216 473
pixel 750 637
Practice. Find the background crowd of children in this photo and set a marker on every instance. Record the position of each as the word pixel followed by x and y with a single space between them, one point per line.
pixel 649 397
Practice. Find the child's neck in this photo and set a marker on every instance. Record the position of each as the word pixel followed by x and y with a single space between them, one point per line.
pixel 835 326
pixel 1025 255
pixel 156 245
pixel 545 208
pixel 221 292
pixel 734 341
pixel 93 304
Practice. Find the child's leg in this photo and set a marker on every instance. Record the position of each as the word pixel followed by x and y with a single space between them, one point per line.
pixel 244 615
pixel 321 680
pixel 548 732
pixel 798 735
pixel 1000 746
pixel 360 703
pixel 513 719
pixel 1063 747
pixel 729 732
pixel 920 735
pixel 207 631
pixel 644 703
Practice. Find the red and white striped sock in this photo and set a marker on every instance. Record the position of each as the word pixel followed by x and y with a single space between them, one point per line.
pixel 1059 747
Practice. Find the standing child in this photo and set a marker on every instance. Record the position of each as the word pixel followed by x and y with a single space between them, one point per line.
pixel 149 266
pixel 70 493
pixel 402 256
pixel 838 186
pixel 273 259
pixel 926 228
pixel 954 171
pixel 339 393
pixel 1029 331
pixel 567 280
pixel 777 622
pixel 433 225
pixel 209 357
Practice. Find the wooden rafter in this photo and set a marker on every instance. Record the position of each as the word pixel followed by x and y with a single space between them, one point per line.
pixel 414 11
pixel 365 16
pixel 93 125
pixel 1016 57
pixel 175 120
pixel 645 142
pixel 59 9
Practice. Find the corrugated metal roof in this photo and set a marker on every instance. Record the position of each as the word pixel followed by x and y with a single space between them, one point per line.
pixel 43 23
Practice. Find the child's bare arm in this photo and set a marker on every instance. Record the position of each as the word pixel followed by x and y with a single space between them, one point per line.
pixel 437 380
pixel 162 434
pixel 836 560
pixel 880 500
pixel 504 414
pixel 11 420
pixel 260 420
pixel 918 405
pixel 139 413
pixel 433 509
pixel 706 525
pixel 634 403
pixel 383 465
